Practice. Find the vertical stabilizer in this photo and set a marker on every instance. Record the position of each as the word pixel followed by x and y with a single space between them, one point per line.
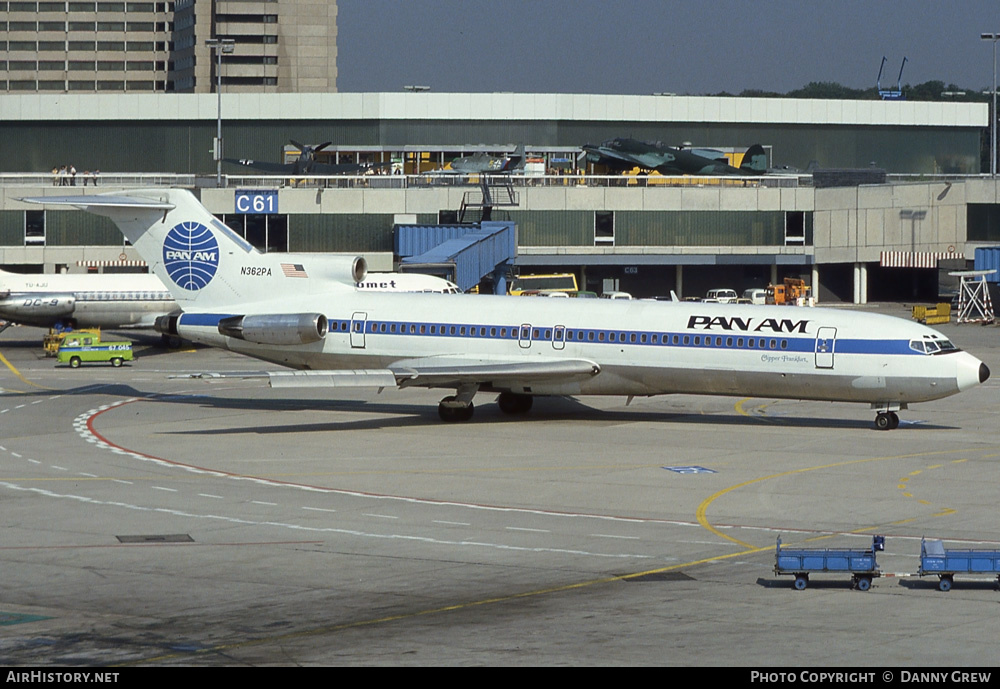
pixel 206 265
pixel 754 161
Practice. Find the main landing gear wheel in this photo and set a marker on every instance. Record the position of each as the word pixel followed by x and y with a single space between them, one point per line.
pixel 451 413
pixel 513 403
pixel 886 421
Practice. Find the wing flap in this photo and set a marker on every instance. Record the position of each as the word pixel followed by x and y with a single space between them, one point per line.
pixel 371 378
pixel 445 372
pixel 345 378
pixel 428 372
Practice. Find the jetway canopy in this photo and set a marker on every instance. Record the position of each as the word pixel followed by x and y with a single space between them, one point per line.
pixel 472 250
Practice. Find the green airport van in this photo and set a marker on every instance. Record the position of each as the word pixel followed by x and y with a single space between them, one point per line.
pixel 82 348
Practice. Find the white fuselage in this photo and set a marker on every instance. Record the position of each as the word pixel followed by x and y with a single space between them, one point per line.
pixel 642 348
pixel 99 300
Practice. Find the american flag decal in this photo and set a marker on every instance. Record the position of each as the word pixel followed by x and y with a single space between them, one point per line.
pixel 293 270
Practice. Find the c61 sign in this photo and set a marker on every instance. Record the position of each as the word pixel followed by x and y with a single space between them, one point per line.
pixel 256 201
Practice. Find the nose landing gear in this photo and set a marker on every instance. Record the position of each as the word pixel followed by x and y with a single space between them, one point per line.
pixel 886 418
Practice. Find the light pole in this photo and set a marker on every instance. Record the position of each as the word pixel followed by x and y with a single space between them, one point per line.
pixel 993 112
pixel 219 45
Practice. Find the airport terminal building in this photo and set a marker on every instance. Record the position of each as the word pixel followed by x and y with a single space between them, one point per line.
pixel 908 195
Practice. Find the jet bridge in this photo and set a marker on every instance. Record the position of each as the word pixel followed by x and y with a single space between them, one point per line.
pixel 464 253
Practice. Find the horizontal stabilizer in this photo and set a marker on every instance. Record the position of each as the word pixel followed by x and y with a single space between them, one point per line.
pixel 97 201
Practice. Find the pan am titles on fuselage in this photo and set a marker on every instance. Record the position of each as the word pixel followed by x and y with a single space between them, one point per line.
pixel 328 334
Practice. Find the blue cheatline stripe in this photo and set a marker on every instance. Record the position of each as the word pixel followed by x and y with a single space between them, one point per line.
pixel 777 342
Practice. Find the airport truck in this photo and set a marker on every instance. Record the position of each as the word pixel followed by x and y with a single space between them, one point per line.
pixel 78 348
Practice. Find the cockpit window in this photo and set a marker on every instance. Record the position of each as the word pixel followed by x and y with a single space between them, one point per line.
pixel 936 345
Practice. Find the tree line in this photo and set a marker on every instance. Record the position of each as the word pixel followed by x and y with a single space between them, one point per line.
pixel 927 91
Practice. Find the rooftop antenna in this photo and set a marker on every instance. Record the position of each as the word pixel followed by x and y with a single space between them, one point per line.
pixel 890 94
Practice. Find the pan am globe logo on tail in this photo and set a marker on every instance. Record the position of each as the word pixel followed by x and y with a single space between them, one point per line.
pixel 190 255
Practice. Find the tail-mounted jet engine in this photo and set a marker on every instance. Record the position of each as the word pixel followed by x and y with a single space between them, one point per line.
pixel 28 308
pixel 276 329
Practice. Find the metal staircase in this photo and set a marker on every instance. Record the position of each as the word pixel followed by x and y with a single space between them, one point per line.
pixel 495 191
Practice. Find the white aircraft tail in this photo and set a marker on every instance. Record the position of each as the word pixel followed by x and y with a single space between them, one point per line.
pixel 206 265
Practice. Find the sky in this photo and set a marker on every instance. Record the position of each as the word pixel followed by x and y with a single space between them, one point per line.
pixel 654 46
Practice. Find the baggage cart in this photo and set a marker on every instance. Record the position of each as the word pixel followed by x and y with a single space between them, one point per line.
pixel 801 562
pixel 946 563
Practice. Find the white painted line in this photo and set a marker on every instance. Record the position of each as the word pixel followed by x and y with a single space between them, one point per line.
pixel 518 528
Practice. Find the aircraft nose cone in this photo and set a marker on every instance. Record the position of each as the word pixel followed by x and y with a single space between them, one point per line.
pixel 971 372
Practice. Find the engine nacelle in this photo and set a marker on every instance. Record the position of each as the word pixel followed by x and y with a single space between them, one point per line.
pixel 346 269
pixel 28 308
pixel 276 329
pixel 166 325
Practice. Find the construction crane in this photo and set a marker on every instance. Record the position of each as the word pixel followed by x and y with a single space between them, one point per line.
pixel 890 94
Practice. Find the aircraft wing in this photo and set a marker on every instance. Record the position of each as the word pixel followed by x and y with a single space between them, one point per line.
pixel 344 168
pixel 435 372
pixel 263 166
pixel 605 156
pixel 430 372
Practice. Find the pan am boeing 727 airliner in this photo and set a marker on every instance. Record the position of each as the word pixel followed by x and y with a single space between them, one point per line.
pixel 302 311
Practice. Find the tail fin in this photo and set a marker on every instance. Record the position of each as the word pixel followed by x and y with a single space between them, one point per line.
pixel 206 265
pixel 516 161
pixel 754 161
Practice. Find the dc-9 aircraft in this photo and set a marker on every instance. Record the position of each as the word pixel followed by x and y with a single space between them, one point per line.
pixel 303 312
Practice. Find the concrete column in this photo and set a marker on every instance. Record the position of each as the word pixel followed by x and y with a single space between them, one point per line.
pixel 679 281
pixel 860 283
pixel 774 273
pixel 864 283
pixel 814 283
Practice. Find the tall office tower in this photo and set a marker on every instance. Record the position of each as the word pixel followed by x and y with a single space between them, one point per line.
pixel 280 46
pixel 85 46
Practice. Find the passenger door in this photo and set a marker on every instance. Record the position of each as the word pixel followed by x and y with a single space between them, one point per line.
pixel 826 341
pixel 359 321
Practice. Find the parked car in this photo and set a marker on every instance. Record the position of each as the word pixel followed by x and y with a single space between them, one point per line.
pixel 755 295
pixel 722 296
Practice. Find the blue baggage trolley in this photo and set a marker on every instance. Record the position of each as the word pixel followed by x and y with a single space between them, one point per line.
pixel 935 559
pixel 801 562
